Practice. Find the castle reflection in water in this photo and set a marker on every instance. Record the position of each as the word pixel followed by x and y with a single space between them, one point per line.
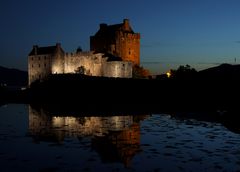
pixel 115 138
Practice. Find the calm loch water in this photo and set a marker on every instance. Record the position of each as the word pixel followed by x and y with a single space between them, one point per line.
pixel 34 140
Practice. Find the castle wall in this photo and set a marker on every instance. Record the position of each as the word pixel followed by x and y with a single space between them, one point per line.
pixel 58 61
pixel 99 44
pixel 120 69
pixel 39 66
pixel 92 63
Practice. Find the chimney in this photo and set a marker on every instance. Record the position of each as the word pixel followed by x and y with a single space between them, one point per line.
pixel 126 24
pixel 35 47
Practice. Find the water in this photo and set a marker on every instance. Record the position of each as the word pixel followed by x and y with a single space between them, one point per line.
pixel 33 140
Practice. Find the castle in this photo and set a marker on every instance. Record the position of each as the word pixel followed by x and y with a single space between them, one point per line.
pixel 114 50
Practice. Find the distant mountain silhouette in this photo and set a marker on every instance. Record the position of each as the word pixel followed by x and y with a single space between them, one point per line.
pixel 13 77
pixel 221 72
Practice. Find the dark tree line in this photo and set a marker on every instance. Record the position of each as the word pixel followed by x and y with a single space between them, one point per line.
pixel 183 72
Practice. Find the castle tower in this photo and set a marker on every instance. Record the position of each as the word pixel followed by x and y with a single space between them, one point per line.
pixel 118 40
pixel 43 61
pixel 58 60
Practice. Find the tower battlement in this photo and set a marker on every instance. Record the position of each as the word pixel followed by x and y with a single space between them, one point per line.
pixel 82 53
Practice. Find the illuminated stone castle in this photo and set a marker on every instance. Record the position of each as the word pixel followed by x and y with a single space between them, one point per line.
pixel 114 49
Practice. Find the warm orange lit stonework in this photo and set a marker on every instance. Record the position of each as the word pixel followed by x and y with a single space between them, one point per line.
pixel 118 40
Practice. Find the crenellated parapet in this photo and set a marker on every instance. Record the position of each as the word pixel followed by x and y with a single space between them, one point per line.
pixel 82 53
pixel 130 35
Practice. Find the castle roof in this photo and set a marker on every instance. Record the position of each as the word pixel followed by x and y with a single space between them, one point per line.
pixel 45 50
pixel 110 30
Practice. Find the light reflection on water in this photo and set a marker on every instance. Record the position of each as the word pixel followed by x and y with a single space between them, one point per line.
pixel 32 140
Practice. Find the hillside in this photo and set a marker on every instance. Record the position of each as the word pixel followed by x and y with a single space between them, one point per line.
pixel 13 77
pixel 221 72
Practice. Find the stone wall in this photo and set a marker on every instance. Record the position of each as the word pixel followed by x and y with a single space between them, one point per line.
pixel 128 47
pixel 58 61
pixel 121 69
pixel 39 66
pixel 97 65
pixel 92 63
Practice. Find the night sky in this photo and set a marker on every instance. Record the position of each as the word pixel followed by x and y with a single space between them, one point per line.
pixel 202 33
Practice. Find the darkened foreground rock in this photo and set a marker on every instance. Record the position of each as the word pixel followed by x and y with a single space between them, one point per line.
pixel 190 94
pixel 179 94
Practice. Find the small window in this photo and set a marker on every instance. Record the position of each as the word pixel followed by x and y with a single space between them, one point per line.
pixel 45 65
pixel 39 65
pixel 38 58
pixel 32 65
pixel 45 57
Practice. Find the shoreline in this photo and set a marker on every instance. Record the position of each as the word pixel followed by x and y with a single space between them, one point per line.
pixel 140 95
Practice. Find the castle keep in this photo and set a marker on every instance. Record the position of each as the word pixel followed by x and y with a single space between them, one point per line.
pixel 118 40
pixel 114 49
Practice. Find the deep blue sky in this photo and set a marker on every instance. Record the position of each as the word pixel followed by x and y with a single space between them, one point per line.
pixel 201 33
